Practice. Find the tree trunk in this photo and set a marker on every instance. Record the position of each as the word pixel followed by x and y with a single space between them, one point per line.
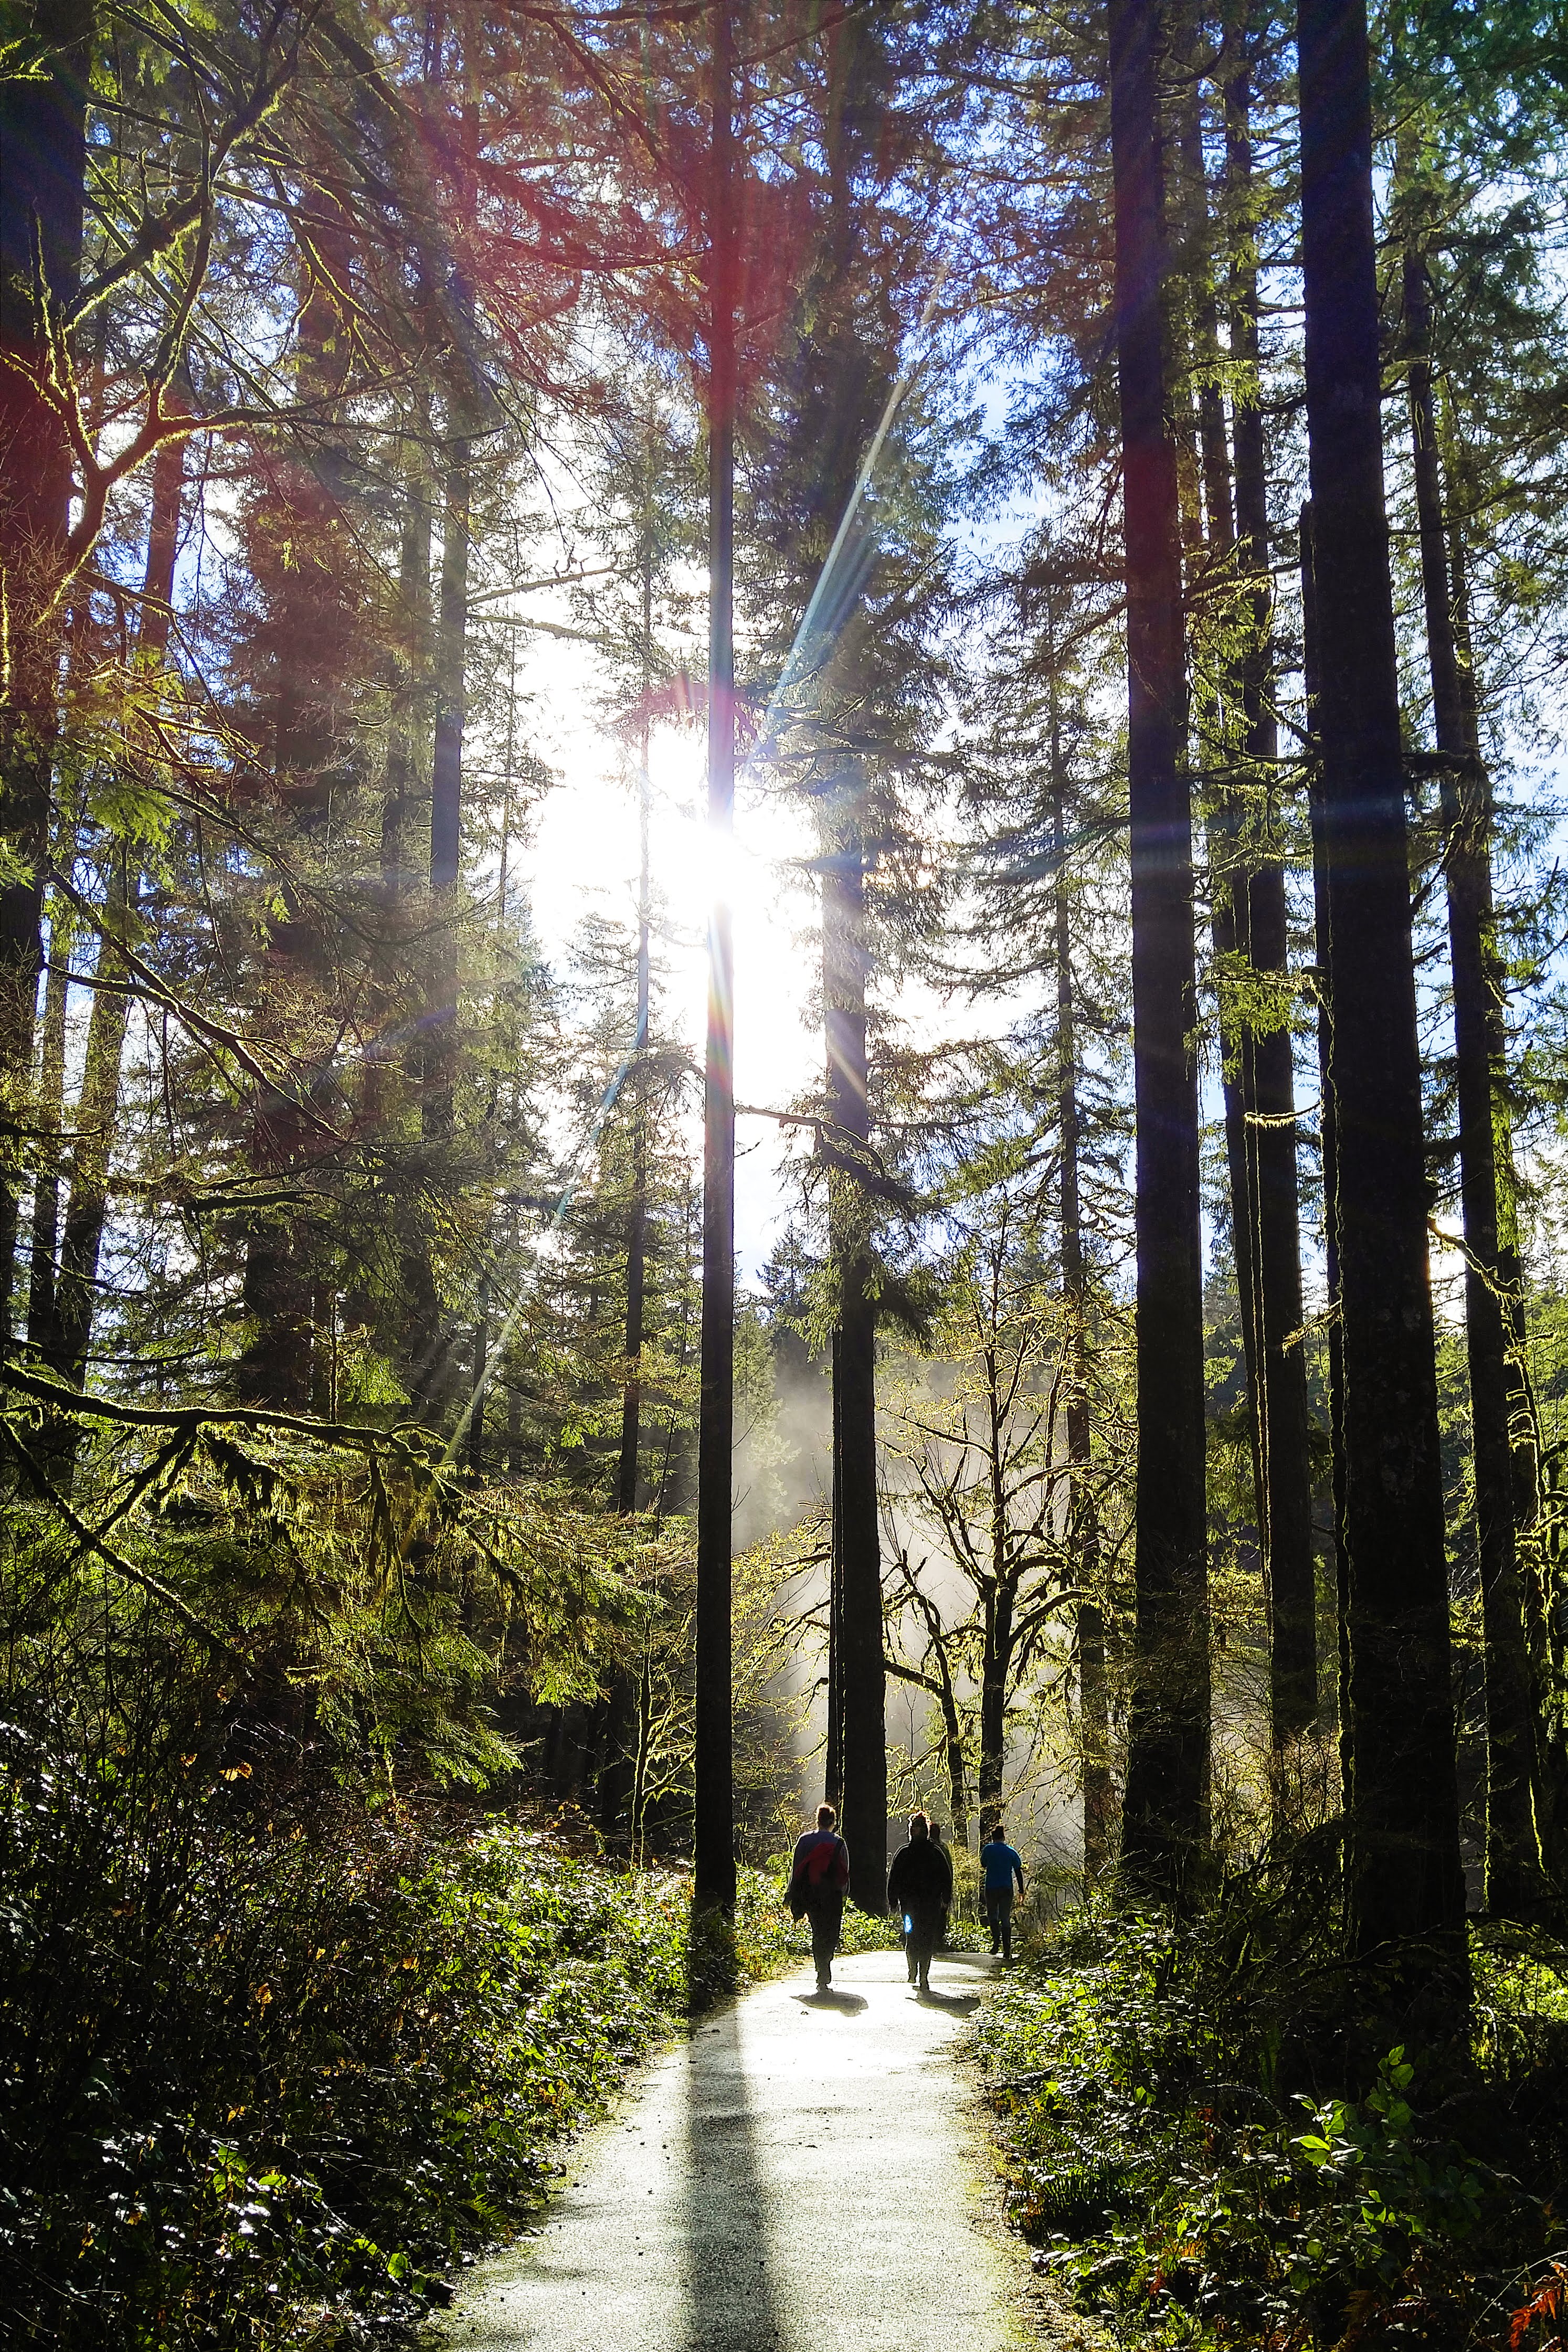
pixel 155 620
pixel 1230 930
pixel 408 719
pixel 614 1778
pixel 957 1776
pixel 43 1268
pixel 1250 931
pixel 1164 1812
pixel 407 1318
pixel 96 1112
pixel 861 1682
pixel 1210 545
pixel 1551 1766
pixel 97 1106
pixel 995 1672
pixel 714 1822
pixel 479 1385
pixel 1083 1524
pixel 1312 672
pixel 1524 1434
pixel 446 782
pixel 833 1751
pixel 152 631
pixel 282 1279
pixel 636 1222
pixel 1269 1083
pixel 1514 1882
pixel 435 1373
pixel 1403 1874
pixel 43 137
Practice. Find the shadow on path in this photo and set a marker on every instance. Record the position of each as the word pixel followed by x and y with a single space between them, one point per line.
pixel 962 2004
pixel 733 2301
pixel 797 2177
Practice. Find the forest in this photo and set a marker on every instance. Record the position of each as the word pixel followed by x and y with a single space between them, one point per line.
pixel 1017 549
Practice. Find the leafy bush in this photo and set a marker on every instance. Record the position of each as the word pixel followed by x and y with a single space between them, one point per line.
pixel 1176 2178
pixel 265 2080
pixel 767 1939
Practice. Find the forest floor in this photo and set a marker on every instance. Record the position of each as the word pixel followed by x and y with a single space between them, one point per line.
pixel 805 2171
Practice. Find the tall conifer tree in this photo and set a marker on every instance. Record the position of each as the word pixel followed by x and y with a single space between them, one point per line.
pixel 714 1849
pixel 42 135
pixel 1404 1878
pixel 1165 1806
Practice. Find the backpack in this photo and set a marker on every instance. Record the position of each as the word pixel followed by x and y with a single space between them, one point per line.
pixel 812 1872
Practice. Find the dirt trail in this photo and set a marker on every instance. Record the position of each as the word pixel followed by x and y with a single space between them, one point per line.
pixel 800 2177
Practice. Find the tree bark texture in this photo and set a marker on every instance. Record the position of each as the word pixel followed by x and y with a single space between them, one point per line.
pixel 995 1653
pixel 1514 1882
pixel 858 1536
pixel 1543 1640
pixel 312 730
pixel 156 619
pixel 43 1265
pixel 446 784
pixel 714 1833
pixel 636 1220
pixel 410 681
pixel 856 1669
pixel 431 1340
pixel 407 1313
pixel 833 1751
pixel 615 1775
pixel 1248 924
pixel 1210 547
pixel 98 1105
pixel 1269 1079
pixel 1312 672
pixel 1083 1528
pixel 1164 1811
pixel 43 141
pixel 1404 1875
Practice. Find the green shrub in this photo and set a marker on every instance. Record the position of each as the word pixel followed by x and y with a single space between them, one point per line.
pixel 767 1939
pixel 1172 2175
pixel 265 2081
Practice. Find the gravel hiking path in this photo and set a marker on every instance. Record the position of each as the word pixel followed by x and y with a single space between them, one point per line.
pixel 806 2174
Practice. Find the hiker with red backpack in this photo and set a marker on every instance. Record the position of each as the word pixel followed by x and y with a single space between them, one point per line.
pixel 818 1881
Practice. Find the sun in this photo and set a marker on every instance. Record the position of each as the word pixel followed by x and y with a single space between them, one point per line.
pixel 585 859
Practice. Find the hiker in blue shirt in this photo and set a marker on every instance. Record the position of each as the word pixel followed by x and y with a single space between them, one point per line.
pixel 1001 1865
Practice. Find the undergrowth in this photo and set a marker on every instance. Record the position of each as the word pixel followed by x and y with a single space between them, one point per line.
pixel 767 1939
pixel 265 2082
pixel 1185 2155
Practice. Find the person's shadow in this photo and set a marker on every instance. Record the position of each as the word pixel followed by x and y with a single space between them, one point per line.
pixel 959 2005
pixel 849 2003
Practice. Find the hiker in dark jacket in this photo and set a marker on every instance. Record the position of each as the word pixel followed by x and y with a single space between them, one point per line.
pixel 819 1878
pixel 920 1885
